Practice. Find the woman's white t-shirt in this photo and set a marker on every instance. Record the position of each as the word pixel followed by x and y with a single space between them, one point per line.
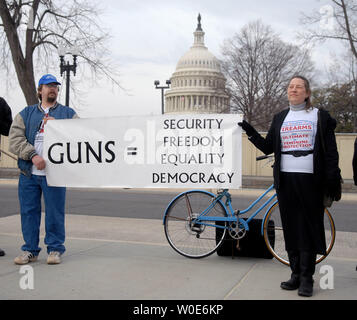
pixel 39 143
pixel 298 132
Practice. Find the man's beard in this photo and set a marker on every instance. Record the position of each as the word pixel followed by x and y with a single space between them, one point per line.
pixel 51 99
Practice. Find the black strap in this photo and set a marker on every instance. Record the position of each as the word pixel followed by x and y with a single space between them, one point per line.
pixel 299 153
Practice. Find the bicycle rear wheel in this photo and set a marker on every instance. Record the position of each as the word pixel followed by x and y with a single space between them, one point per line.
pixel 190 239
pixel 276 245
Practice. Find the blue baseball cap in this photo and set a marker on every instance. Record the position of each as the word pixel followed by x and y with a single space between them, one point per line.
pixel 48 78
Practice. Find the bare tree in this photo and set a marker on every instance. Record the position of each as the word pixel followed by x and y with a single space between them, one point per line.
pixel 258 66
pixel 31 31
pixel 339 92
pixel 336 20
pixel 338 100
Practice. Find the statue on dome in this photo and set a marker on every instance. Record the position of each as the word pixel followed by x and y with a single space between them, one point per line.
pixel 199 22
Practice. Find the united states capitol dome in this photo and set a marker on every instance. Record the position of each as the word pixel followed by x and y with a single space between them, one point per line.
pixel 198 57
pixel 197 85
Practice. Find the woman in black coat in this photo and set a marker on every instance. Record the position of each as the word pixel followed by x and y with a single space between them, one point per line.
pixel 303 170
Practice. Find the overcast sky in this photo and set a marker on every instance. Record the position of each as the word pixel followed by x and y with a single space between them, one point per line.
pixel 149 37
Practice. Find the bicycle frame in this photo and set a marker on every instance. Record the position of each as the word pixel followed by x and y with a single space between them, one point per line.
pixel 231 217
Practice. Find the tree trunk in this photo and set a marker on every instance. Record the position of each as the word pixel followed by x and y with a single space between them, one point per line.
pixel 23 66
pixel 28 86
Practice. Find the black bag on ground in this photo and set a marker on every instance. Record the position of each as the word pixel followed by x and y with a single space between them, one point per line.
pixel 251 245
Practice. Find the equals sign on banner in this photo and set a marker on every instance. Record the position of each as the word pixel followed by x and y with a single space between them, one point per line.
pixel 132 151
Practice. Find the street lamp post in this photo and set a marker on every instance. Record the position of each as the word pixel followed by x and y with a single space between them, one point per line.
pixel 65 67
pixel 157 83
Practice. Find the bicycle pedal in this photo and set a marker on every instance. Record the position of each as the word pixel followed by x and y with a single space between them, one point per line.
pixel 237 246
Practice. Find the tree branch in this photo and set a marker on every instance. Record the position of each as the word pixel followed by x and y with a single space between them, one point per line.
pixel 348 29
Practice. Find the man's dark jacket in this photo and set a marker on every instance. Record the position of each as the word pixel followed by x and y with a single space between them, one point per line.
pixel 5 117
pixel 326 168
pixel 354 163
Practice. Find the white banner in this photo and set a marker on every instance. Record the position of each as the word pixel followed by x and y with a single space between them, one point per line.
pixel 181 151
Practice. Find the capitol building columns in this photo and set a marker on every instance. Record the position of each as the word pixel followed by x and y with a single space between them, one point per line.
pixel 192 103
pixel 197 85
pixel 196 103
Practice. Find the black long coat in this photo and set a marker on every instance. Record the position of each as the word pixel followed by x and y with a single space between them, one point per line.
pixel 301 195
pixel 5 117
pixel 354 163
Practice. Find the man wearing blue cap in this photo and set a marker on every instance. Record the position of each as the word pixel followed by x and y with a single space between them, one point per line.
pixel 26 141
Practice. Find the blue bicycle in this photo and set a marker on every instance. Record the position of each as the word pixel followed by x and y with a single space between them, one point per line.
pixel 191 219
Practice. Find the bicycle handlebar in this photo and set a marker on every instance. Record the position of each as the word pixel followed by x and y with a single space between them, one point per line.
pixel 264 157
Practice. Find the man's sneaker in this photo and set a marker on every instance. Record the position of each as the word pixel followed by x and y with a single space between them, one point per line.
pixel 25 258
pixel 54 257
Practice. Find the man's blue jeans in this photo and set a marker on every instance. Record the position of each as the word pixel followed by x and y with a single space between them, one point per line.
pixel 30 191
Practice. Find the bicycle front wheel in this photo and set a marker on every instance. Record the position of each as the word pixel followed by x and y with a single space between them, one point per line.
pixel 188 236
pixel 274 237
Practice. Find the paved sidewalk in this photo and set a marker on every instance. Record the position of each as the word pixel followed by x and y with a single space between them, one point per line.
pixel 130 259
pixel 122 258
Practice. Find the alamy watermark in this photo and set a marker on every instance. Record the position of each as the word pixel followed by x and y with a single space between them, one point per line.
pixel 27 281
pixel 327 20
pixel 327 280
